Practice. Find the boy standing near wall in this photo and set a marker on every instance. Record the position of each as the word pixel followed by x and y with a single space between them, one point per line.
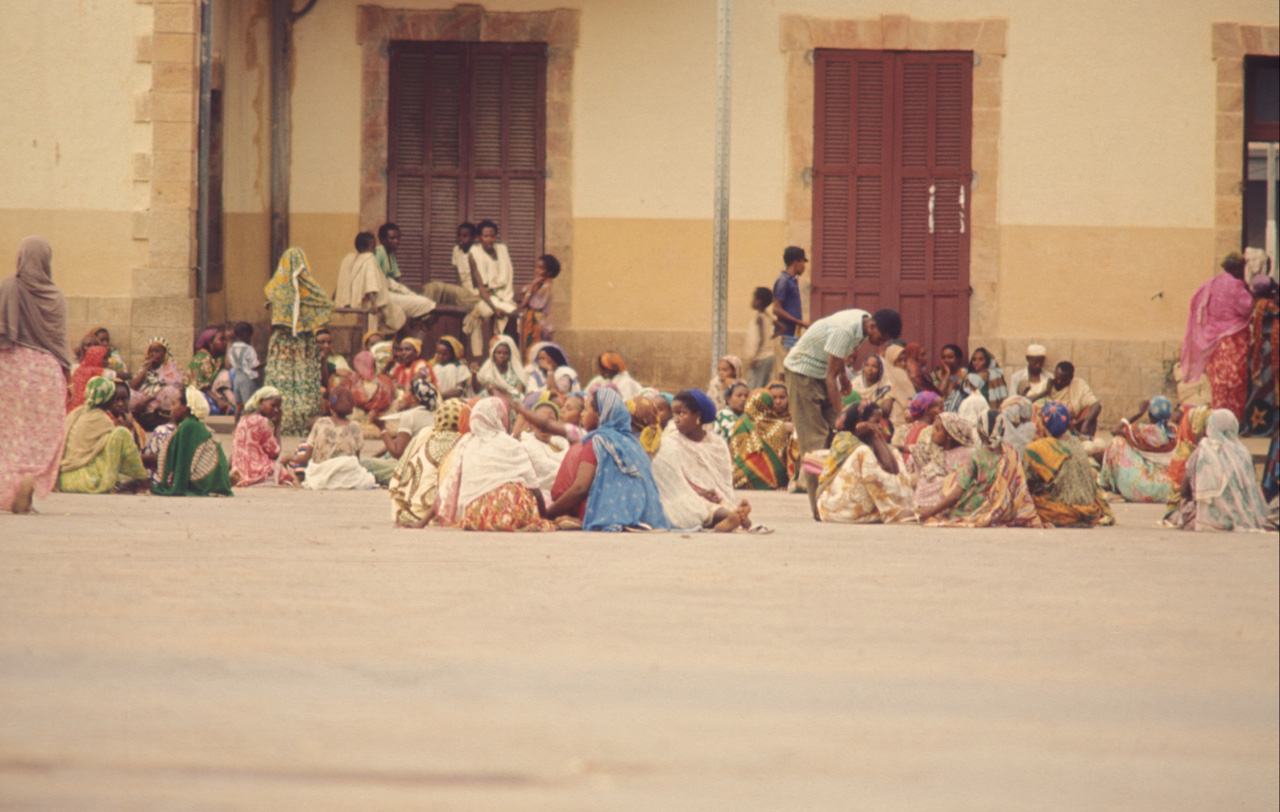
pixel 759 354
pixel 788 310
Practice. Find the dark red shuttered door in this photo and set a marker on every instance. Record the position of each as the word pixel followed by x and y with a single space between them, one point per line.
pixel 509 86
pixel 891 172
pixel 466 142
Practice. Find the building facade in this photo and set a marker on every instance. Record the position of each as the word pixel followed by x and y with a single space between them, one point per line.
pixel 1060 173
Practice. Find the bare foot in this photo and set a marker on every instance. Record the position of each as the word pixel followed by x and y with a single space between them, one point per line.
pixel 235 478
pixel 729 523
pixel 22 496
pixel 744 510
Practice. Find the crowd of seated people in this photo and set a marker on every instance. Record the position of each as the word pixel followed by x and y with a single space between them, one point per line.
pixel 508 438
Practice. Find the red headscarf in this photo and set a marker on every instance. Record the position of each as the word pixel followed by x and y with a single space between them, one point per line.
pixel 90 367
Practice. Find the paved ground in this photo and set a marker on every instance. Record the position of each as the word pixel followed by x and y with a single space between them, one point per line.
pixel 287 650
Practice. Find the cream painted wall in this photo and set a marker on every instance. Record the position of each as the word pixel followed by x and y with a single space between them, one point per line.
pixel 244 37
pixel 1107 123
pixel 67 84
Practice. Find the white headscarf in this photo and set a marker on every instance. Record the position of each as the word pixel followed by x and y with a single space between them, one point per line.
pixel 489 457
pixel 490 376
pixel 1224 477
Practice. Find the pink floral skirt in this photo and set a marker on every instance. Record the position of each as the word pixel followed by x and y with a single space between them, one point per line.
pixel 33 410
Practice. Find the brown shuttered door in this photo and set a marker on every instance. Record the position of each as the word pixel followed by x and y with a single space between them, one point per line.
pixel 891 180
pixel 466 142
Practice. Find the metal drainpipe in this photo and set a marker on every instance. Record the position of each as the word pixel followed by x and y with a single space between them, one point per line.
pixel 720 245
pixel 203 158
pixel 281 23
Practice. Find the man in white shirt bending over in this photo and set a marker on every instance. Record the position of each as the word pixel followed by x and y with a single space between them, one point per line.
pixel 816 377
pixel 493 277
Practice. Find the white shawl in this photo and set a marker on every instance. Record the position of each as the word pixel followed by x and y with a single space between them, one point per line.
pixel 693 479
pixel 489 457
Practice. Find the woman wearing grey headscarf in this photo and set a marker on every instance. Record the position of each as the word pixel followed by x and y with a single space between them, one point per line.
pixel 34 361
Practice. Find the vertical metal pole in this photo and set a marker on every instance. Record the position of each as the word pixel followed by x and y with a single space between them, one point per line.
pixel 720 246
pixel 281 29
pixel 1270 232
pixel 203 156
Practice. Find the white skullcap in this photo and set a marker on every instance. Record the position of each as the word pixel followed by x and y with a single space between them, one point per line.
pixel 1036 351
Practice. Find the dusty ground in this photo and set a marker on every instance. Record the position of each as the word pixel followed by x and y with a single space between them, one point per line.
pixel 287 650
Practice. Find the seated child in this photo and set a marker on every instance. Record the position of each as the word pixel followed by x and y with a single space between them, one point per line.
pixel 333 448
pixel 693 470
pixel 242 364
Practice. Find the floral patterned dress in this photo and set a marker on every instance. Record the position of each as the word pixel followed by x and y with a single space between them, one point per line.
pixel 1138 469
pixel 993 492
pixel 33 398
pixel 863 492
pixel 255 452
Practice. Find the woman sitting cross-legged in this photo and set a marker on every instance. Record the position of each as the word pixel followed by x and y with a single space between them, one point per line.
pixel 1220 490
pixel 255 445
pixel 502 372
pixel 453 376
pixel 946 448
pixel 1136 463
pixel 693 471
pixel 487 482
pixel 607 480
pixel 332 455
pixel 761 445
pixel 1060 475
pixel 872 484
pixel 100 453
pixel 416 479
pixel 1018 415
pixel 990 490
pixel 1191 431
pixel 156 387
pixel 192 463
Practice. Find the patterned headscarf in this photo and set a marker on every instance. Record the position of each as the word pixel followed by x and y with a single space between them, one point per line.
pixel 449 413
pixel 99 390
pixel 263 394
pixel 961 430
pixel 382 352
pixel 297 302
pixel 1160 410
pixel 612 362
pixel 425 391
pixel 168 351
pixel 921 403
pixel 767 428
pixel 1056 418
pixel 991 430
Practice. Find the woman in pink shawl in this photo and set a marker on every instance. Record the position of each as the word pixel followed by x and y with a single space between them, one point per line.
pixel 34 359
pixel 1217 340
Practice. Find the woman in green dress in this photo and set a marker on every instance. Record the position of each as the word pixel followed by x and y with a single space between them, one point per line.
pixel 299 307
pixel 99 454
pixel 192 463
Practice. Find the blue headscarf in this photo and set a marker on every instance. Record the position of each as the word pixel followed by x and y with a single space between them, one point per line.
pixel 622 493
pixel 1161 409
pixel 706 405
pixel 1056 418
